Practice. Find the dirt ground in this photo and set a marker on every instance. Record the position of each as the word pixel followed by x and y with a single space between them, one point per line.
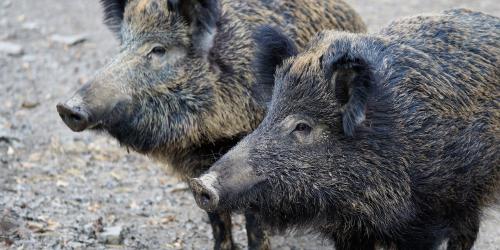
pixel 65 190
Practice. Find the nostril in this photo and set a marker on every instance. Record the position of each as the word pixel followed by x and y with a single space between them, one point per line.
pixel 75 117
pixel 72 114
pixel 205 198
pixel 205 195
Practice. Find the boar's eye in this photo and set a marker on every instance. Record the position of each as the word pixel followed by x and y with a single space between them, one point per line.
pixel 301 132
pixel 158 51
pixel 302 127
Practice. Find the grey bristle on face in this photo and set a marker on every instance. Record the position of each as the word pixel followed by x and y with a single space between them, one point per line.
pixel 113 14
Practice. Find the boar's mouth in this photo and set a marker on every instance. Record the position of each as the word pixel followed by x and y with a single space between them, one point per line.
pixel 249 199
pixel 98 126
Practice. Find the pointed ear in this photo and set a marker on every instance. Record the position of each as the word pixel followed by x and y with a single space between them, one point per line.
pixel 352 81
pixel 272 48
pixel 202 16
pixel 113 14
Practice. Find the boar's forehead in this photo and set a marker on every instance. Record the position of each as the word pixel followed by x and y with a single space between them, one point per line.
pixel 301 88
pixel 152 18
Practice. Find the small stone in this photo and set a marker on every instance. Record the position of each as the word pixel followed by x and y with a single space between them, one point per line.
pixel 36 227
pixel 29 58
pixel 21 18
pixel 167 219
pixel 111 235
pixel 29 104
pixel 179 187
pixel 10 151
pixel 61 183
pixel 98 226
pixel 75 245
pixel 68 40
pixel 52 225
pixel 11 48
pixel 9 222
pixel 7 4
pixel 30 26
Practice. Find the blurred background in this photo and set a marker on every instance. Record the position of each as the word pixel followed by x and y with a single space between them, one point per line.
pixel 60 189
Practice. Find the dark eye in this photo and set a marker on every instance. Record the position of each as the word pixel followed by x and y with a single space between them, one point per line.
pixel 302 132
pixel 302 127
pixel 158 50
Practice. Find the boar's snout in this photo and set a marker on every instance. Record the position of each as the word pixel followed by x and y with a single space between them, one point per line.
pixel 92 104
pixel 205 193
pixel 76 117
pixel 228 180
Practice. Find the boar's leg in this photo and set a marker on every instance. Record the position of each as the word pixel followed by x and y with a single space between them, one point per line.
pixel 355 241
pixel 258 238
pixel 221 229
pixel 424 238
pixel 464 233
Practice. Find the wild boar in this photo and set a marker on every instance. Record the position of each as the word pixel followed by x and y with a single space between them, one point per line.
pixel 390 139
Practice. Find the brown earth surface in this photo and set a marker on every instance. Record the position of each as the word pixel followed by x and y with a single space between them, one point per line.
pixel 60 190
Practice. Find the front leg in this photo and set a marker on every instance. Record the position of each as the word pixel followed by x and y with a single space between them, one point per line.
pixel 464 232
pixel 422 238
pixel 221 228
pixel 258 237
pixel 353 241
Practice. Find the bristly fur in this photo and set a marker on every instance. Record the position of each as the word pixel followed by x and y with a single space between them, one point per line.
pixel 415 161
pixel 113 14
pixel 203 15
pixel 352 84
pixel 273 47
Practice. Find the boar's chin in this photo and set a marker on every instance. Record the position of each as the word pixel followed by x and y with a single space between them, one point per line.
pixel 249 199
pixel 124 127
pixel 97 128
pixel 130 137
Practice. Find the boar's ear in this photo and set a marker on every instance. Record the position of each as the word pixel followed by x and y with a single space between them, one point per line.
pixel 202 16
pixel 352 81
pixel 273 47
pixel 113 14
